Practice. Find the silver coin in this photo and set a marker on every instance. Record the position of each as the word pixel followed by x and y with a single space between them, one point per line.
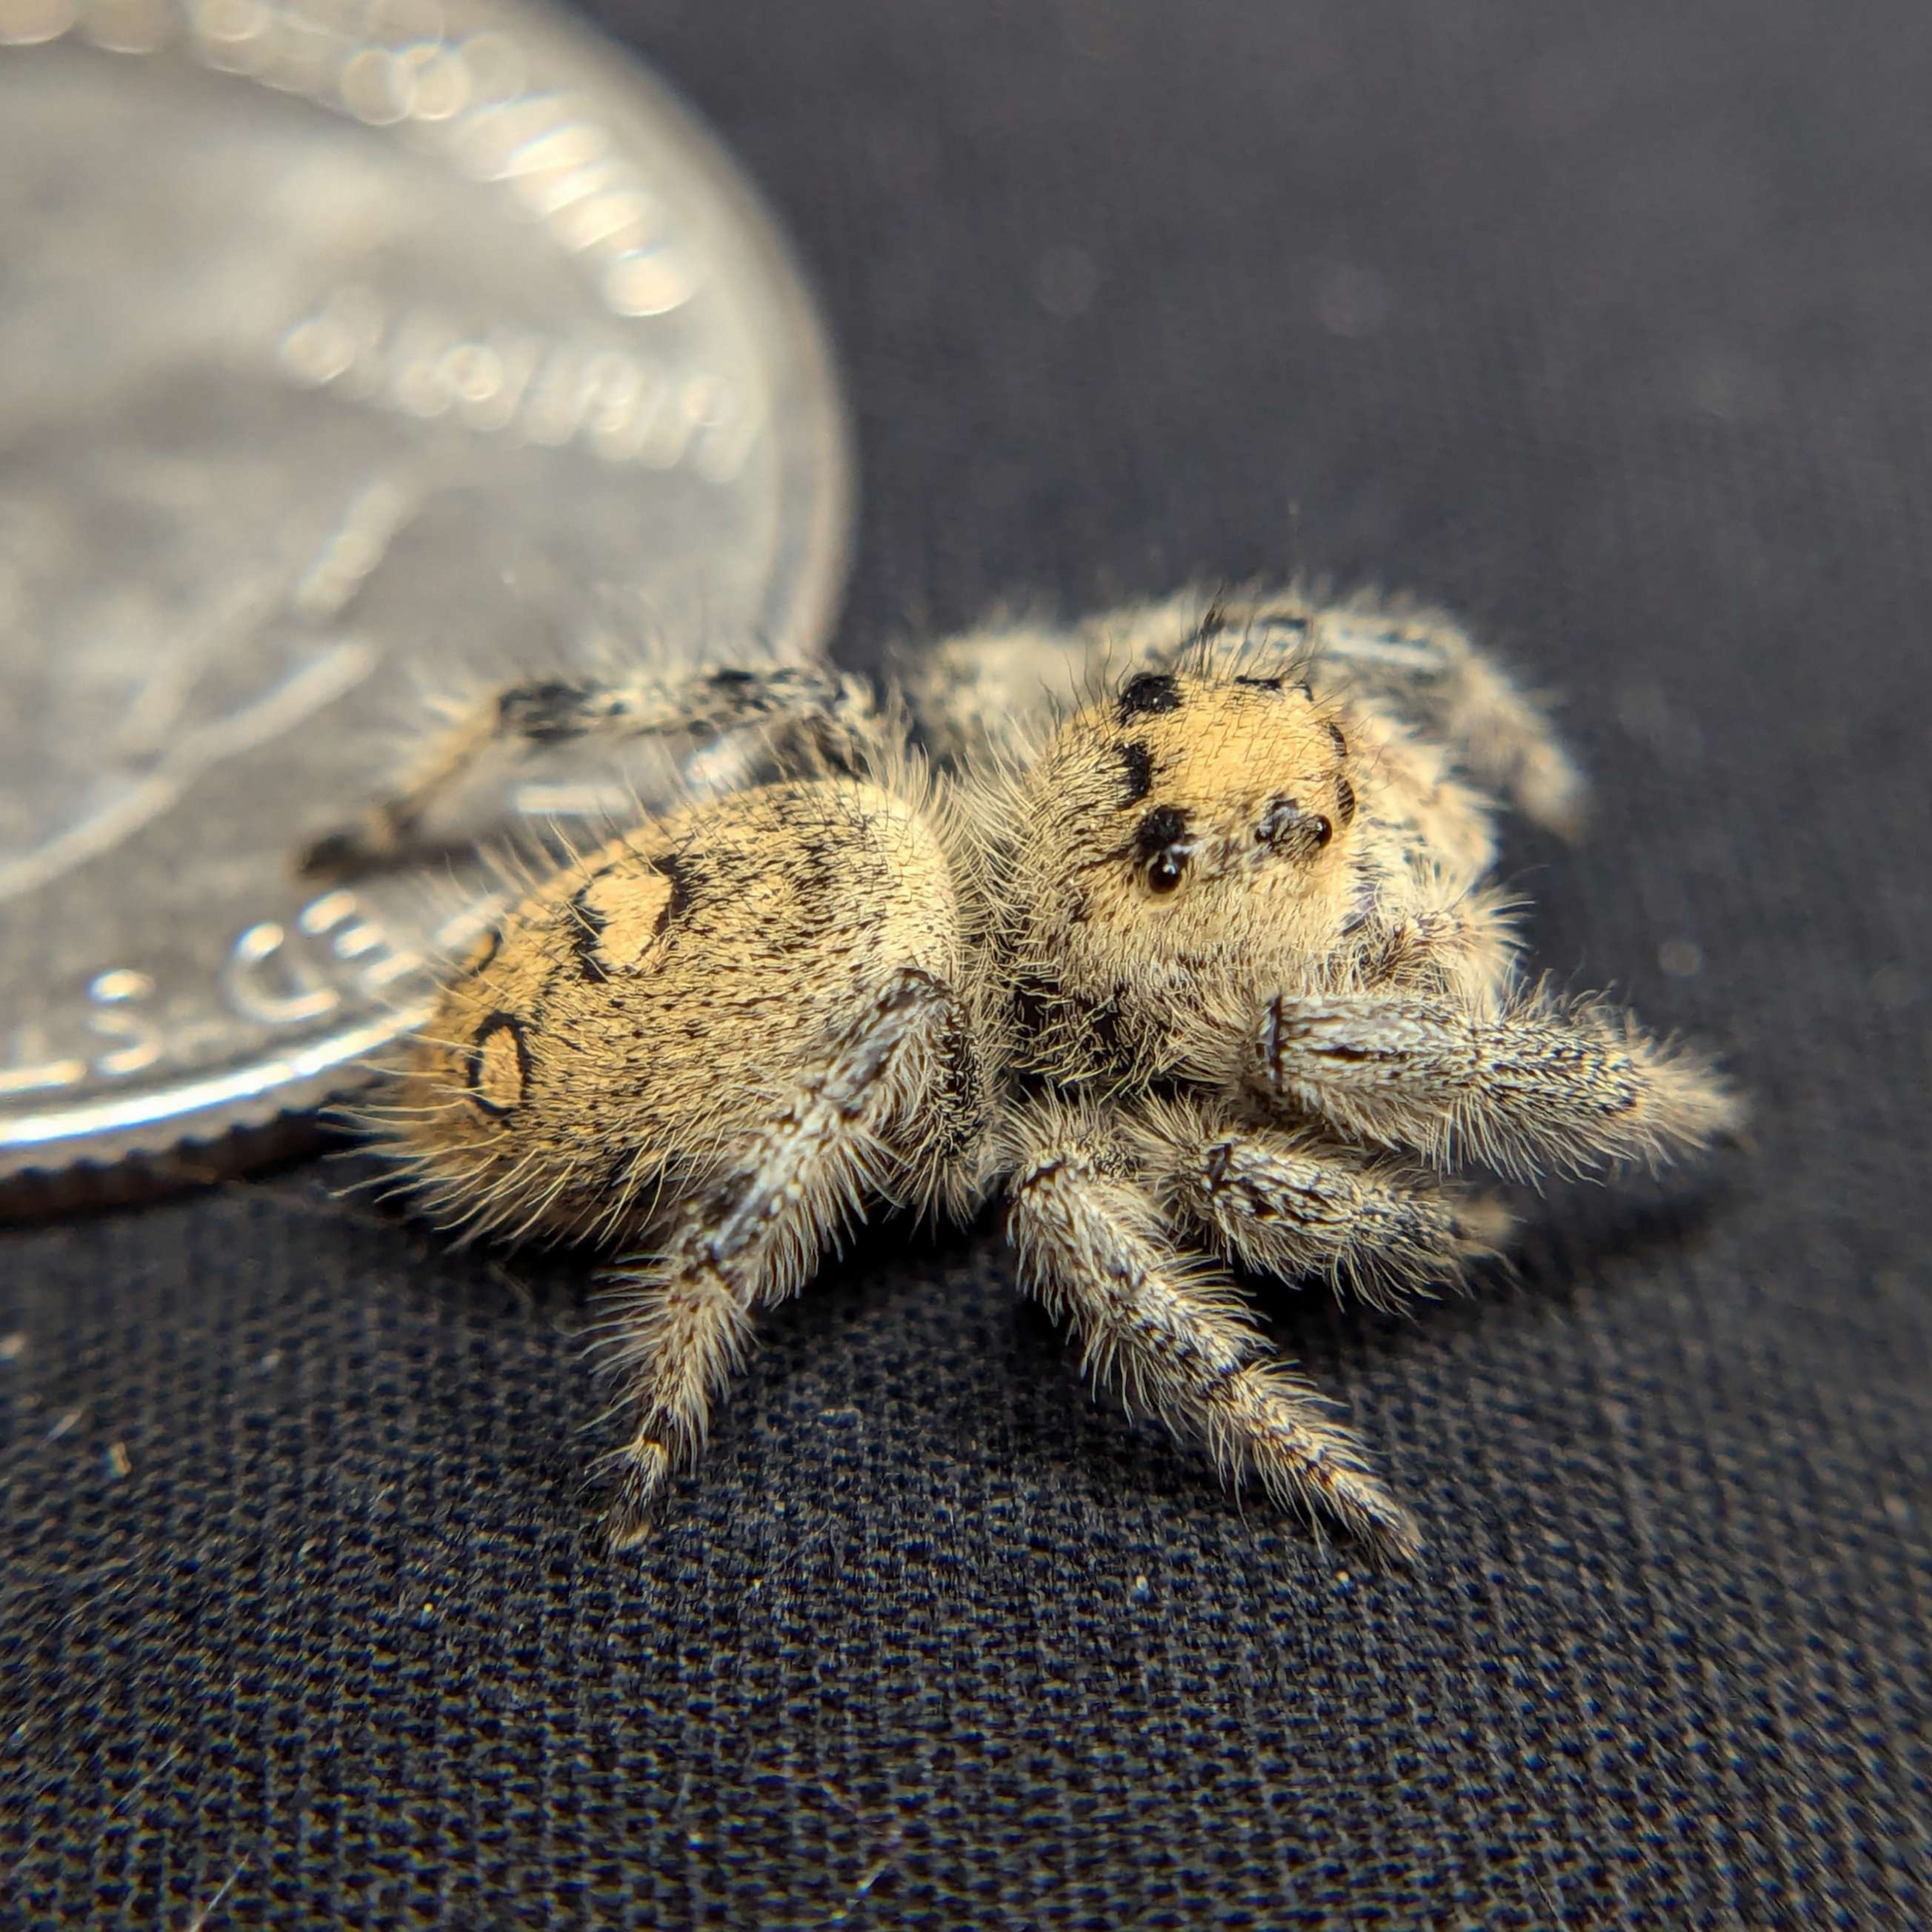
pixel 347 353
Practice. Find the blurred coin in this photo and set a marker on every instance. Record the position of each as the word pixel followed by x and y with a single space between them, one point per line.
pixel 348 352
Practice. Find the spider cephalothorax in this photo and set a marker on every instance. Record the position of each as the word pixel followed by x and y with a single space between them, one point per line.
pixel 1196 967
pixel 1193 833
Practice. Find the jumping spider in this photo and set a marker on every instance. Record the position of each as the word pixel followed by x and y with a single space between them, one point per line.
pixel 1198 968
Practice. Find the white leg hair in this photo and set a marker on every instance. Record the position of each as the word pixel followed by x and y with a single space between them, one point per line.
pixel 1292 1204
pixel 821 708
pixel 749 1238
pixel 1539 1080
pixel 1171 1331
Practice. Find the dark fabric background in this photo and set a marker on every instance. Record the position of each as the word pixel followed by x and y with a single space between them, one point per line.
pixel 1611 327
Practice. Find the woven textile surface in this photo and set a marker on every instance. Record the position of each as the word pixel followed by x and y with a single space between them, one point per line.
pixel 1611 328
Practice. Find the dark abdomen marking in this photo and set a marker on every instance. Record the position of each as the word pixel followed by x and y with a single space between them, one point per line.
pixel 620 914
pixel 498 1064
pixel 678 872
pixel 587 932
pixel 482 953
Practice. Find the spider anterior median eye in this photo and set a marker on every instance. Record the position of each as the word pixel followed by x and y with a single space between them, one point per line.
pixel 1165 868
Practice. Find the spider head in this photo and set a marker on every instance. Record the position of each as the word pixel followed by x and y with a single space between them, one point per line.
pixel 1191 828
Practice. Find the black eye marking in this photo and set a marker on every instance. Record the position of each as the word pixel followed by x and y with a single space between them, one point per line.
pixel 1261 683
pixel 495 1094
pixel 1341 743
pixel 731 677
pixel 1286 827
pixel 1345 800
pixel 492 944
pixel 587 925
pixel 1166 825
pixel 1136 773
pixel 1149 691
pixel 1160 841
pixel 680 873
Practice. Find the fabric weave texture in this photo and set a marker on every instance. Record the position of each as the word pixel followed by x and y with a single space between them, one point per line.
pixel 1610 329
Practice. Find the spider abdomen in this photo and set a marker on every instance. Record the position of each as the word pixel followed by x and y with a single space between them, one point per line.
pixel 626 1025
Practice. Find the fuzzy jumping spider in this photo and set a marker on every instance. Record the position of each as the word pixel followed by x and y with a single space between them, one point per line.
pixel 1199 968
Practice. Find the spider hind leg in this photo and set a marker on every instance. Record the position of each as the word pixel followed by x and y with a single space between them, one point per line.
pixel 681 1319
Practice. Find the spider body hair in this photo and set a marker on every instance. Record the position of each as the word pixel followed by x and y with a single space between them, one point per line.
pixel 1187 949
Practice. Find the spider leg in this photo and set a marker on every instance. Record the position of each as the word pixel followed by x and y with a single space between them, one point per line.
pixel 980 690
pixel 1421 662
pixel 751 1234
pixel 1538 1079
pixel 1430 936
pixel 823 709
pixel 1425 666
pixel 1170 1330
pixel 1291 1203
pixel 987 690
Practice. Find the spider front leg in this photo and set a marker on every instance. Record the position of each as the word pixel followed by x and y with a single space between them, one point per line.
pixel 1170 1328
pixel 1292 1204
pixel 1434 937
pixel 750 1235
pixel 1534 1080
pixel 822 708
